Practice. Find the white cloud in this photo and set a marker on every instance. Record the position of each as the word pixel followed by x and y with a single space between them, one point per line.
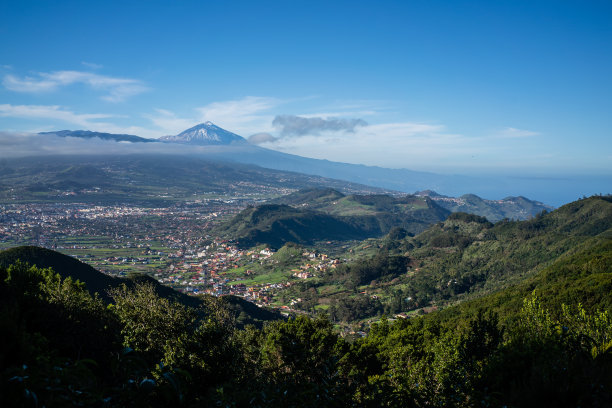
pixel 20 144
pixel 86 121
pixel 92 65
pixel 291 125
pixel 339 114
pixel 53 112
pixel 511 133
pixel 399 145
pixel 242 116
pixel 169 123
pixel 116 89
pixel 260 138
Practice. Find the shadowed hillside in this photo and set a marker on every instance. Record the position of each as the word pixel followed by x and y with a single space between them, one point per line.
pixel 98 282
pixel 326 214
pixel 275 225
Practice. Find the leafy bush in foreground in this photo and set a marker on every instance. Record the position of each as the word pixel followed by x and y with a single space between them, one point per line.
pixel 63 347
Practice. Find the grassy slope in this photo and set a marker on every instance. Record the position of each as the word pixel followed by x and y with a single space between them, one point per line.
pixel 500 254
pixel 330 216
pixel 276 225
pixel 466 258
pixel 583 277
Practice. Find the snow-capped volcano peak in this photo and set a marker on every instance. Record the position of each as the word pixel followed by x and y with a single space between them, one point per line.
pixel 206 133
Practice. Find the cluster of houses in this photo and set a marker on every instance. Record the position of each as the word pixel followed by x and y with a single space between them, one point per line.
pixel 190 261
pixel 209 270
pixel 310 269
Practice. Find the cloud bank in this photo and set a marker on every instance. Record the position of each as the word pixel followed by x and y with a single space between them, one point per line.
pixel 20 144
pixel 291 125
pixel 100 122
pixel 240 116
pixel 259 138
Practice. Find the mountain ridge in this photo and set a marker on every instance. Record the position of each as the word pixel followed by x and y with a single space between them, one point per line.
pixel 334 202
pixel 144 177
pixel 88 134
pixel 552 190
pixel 275 224
pixel 518 208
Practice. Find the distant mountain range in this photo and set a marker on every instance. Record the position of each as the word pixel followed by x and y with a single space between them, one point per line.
pixel 87 134
pixel 333 202
pixel 514 208
pixel 214 143
pixel 203 134
pixel 147 178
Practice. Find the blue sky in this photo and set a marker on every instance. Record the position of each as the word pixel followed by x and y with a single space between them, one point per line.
pixel 512 87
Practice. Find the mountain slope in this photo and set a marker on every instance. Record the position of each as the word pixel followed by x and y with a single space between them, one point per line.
pixel 97 282
pixel 310 197
pixel 377 213
pixel 480 257
pixel 514 208
pixel 275 225
pixel 205 134
pixel 349 217
pixel 583 276
pixel 144 177
pixel 333 202
pixel 87 134
pixel 218 144
pixel 565 252
pixel 65 265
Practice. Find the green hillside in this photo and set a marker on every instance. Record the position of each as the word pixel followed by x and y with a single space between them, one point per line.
pixel 582 277
pixel 514 208
pixel 310 197
pixel 527 323
pixel 65 265
pixel 275 225
pixel 326 214
pixel 476 256
pixel 466 257
pixel 102 284
pixel 333 202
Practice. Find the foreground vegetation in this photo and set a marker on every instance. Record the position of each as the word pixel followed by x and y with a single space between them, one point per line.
pixel 64 347
pixel 527 323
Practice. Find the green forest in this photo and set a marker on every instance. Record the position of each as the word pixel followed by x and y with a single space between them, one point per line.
pixel 527 324
pixel 63 347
